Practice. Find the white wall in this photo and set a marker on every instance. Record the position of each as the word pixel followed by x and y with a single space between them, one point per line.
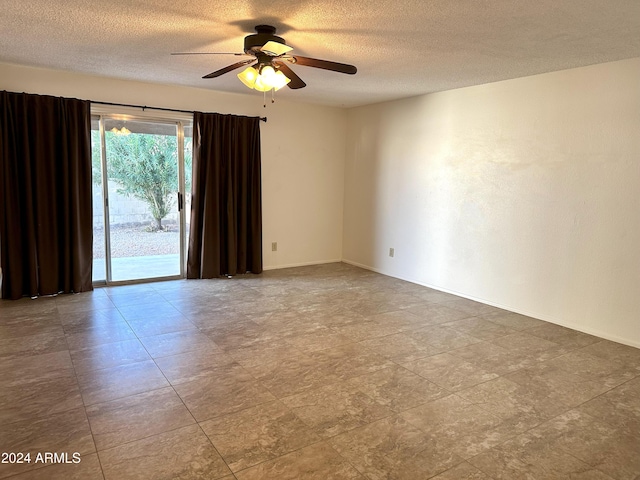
pixel 524 194
pixel 303 153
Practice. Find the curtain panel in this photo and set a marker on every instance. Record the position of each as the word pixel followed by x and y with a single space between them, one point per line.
pixel 46 230
pixel 225 236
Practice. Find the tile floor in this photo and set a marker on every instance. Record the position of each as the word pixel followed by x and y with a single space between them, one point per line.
pixel 322 372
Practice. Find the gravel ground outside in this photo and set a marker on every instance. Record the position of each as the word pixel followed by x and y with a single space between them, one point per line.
pixel 137 241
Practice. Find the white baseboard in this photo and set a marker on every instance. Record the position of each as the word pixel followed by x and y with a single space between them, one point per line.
pixel 302 264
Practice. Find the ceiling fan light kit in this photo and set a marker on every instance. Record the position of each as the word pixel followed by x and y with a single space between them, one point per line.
pixel 265 79
pixel 269 70
pixel 124 131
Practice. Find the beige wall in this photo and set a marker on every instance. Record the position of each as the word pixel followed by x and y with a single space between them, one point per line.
pixel 303 149
pixel 524 194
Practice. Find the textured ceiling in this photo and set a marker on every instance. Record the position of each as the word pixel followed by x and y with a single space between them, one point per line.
pixel 401 47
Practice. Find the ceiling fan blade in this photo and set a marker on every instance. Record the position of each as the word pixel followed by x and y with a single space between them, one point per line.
pixel 324 64
pixel 209 53
pixel 296 81
pixel 228 69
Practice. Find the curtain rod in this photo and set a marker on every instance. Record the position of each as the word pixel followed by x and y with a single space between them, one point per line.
pixel 143 107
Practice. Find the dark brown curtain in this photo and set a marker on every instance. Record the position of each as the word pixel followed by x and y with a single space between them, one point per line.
pixel 46 230
pixel 225 236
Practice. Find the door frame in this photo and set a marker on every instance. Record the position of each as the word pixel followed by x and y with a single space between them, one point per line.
pixel 180 120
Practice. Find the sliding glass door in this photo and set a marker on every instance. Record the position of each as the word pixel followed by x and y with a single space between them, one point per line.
pixel 139 190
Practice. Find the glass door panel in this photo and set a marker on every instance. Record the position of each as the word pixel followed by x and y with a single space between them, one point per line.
pixel 143 182
pixel 99 251
pixel 188 168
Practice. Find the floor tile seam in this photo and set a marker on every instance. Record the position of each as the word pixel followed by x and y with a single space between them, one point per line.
pixel 203 329
pixel 598 419
pixel 455 391
pixel 319 367
pixel 171 385
pixel 346 460
pixel 22 358
pixel 480 339
pixel 34 418
pixel 162 294
pixel 39 467
pixel 457 465
pixel 302 392
pixel 137 298
pixel 596 358
pixel 599 382
pixel 425 435
pixel 100 369
pixel 89 329
pixel 204 348
pixel 367 424
pixel 622 369
pixel 214 447
pixel 496 449
pixel 483 381
pixel 4 383
pixel 138 336
pixel 207 374
pixel 355 427
pixel 470 404
pixel 104 476
pixel 519 456
pixel 16 337
pixel 242 409
pixel 399 365
pixel 318 442
pixel 144 320
pixel 636 377
pixel 125 396
pixel 519 330
pixel 391 359
pixel 30 316
pixel 510 372
pixel 86 416
pixel 584 462
pixel 266 460
pixel 468 460
pixel 84 311
pixel 327 386
pixel 143 305
pixel 479 405
pixel 534 354
pixel 527 431
pixel 146 437
pixel 96 311
pixel 511 437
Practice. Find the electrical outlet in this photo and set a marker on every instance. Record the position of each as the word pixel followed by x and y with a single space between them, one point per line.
pixel 274 246
pixel 392 252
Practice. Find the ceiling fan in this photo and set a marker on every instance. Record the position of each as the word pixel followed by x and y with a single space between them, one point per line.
pixel 270 62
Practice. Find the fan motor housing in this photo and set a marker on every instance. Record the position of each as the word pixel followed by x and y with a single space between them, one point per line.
pixel 266 33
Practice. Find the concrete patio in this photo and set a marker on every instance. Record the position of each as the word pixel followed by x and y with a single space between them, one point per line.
pixel 136 268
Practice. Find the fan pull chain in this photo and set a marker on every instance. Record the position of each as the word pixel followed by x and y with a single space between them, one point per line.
pixel 264 99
